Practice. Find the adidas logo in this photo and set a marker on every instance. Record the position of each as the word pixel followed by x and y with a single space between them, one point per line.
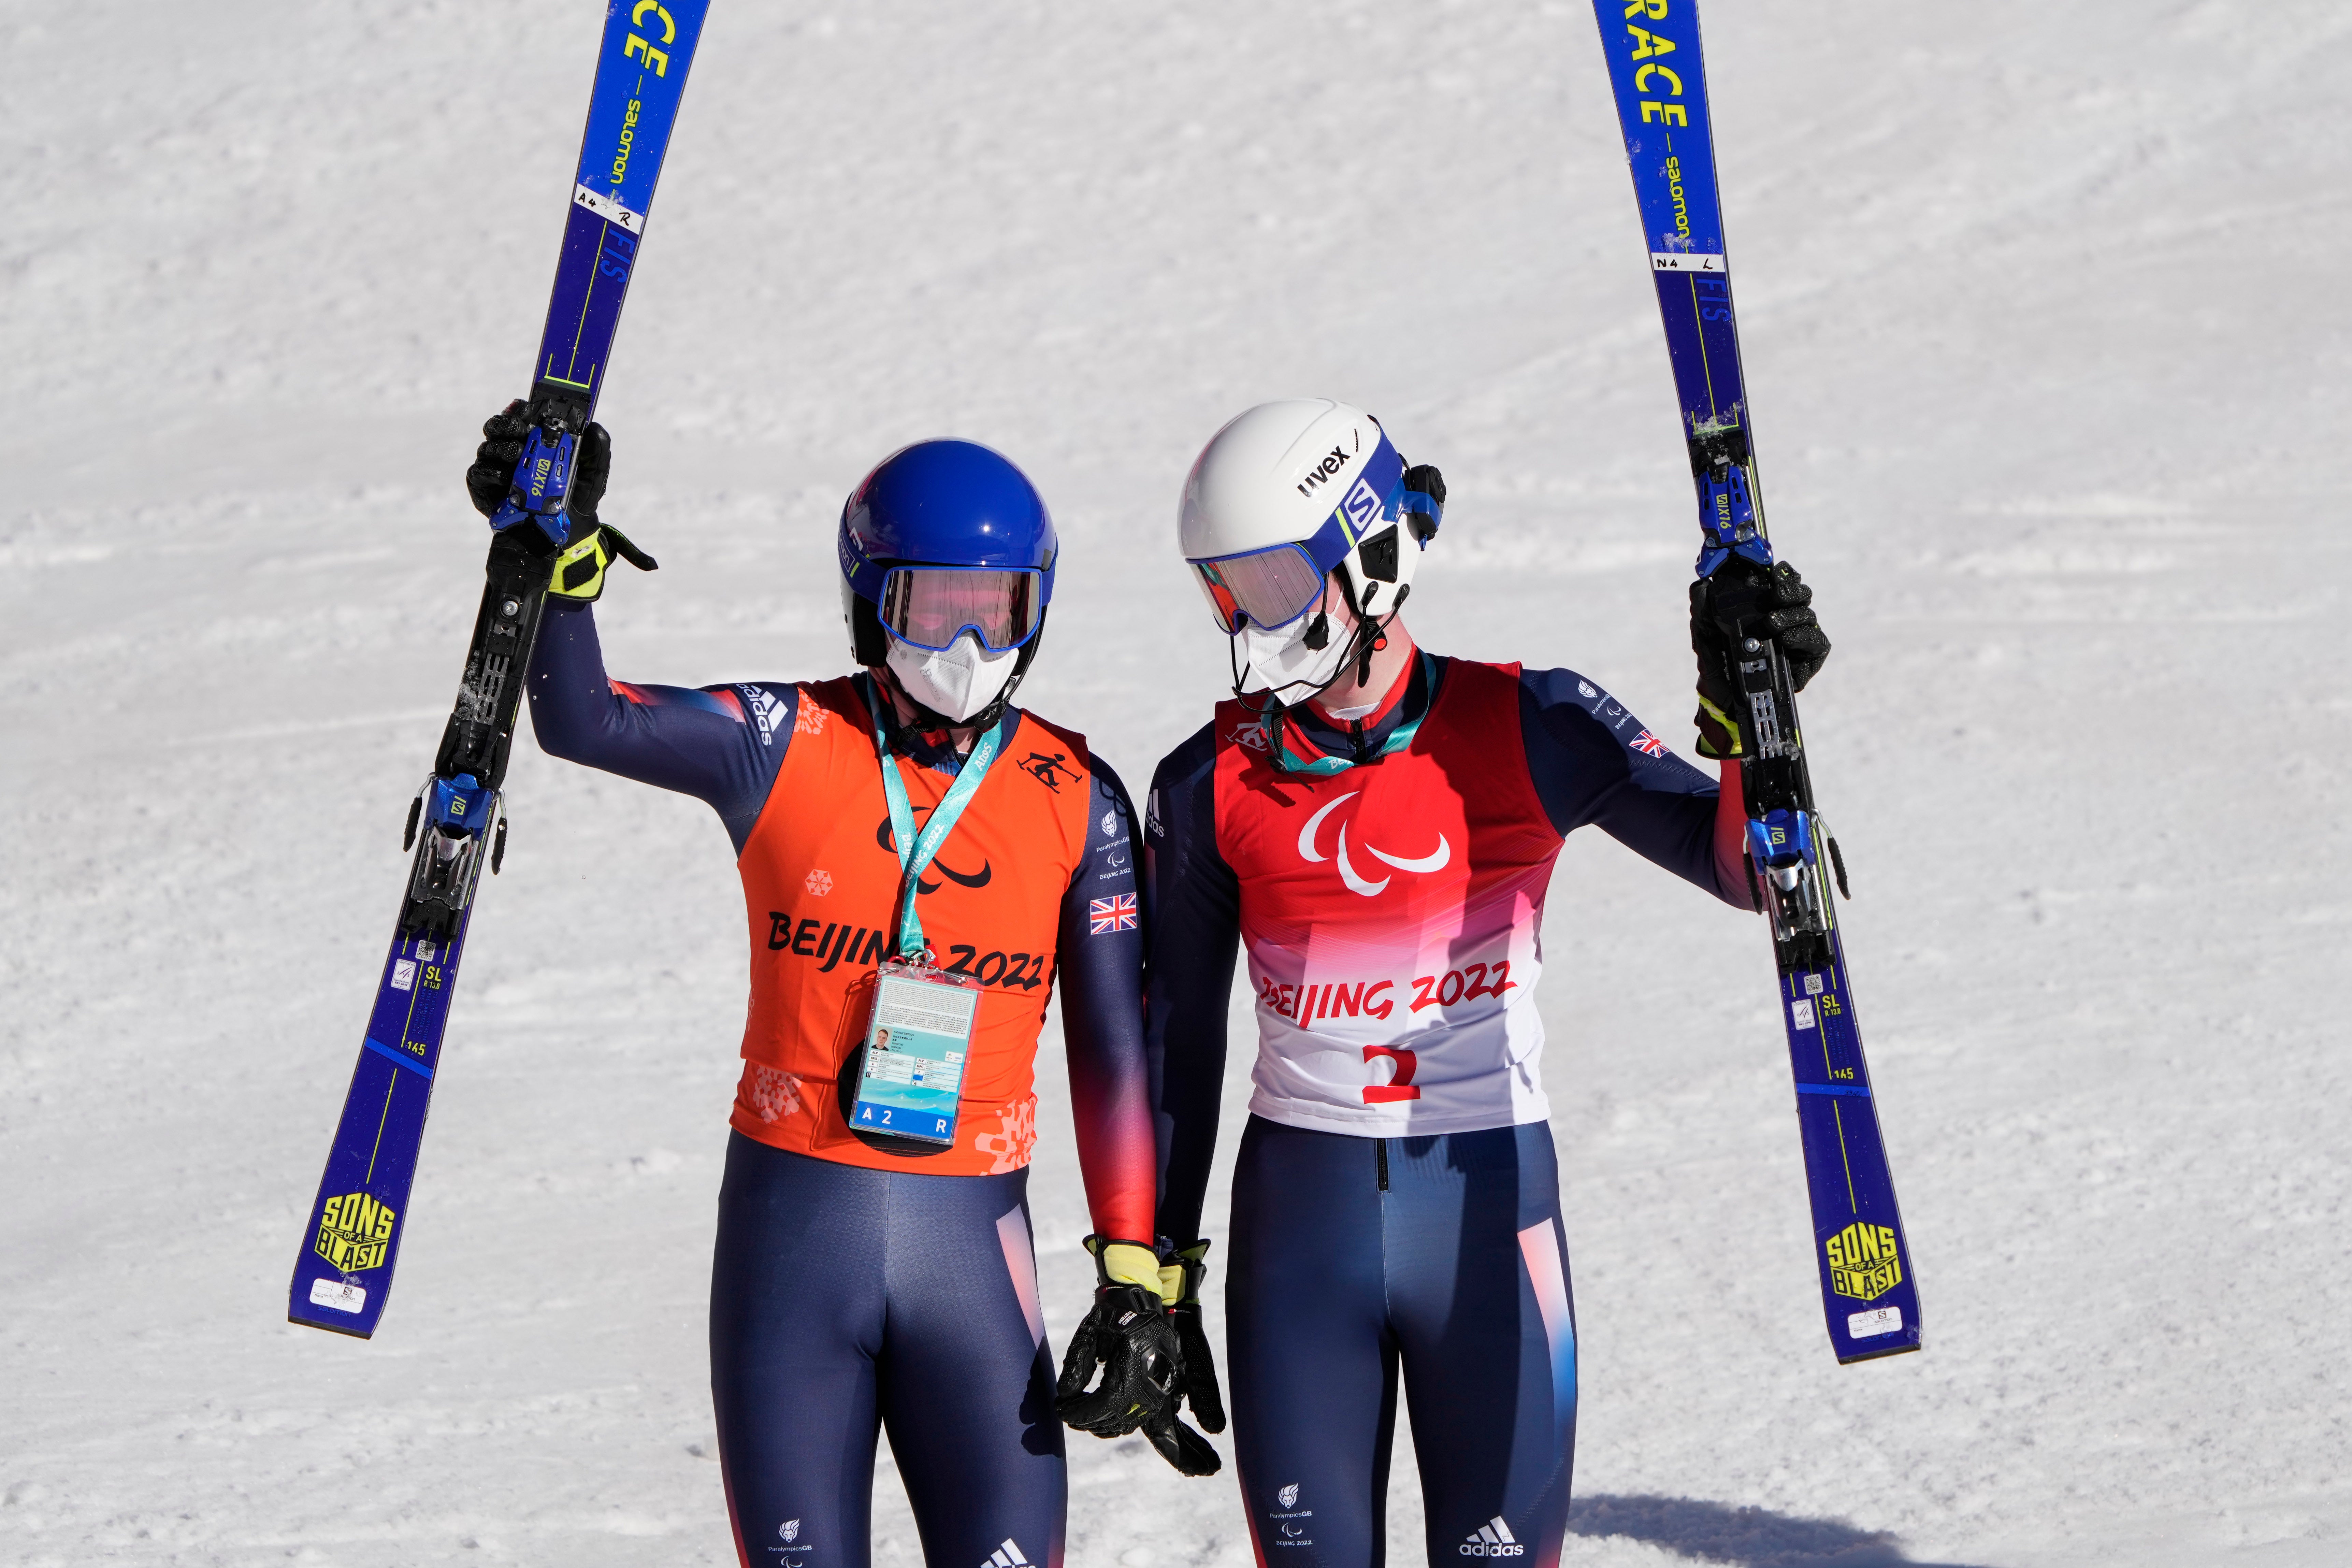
pixel 767 712
pixel 1006 1556
pixel 1494 1539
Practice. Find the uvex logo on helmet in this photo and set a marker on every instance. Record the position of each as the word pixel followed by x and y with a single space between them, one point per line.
pixel 1435 860
pixel 1321 473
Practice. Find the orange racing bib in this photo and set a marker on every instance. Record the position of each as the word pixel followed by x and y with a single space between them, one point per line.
pixel 821 873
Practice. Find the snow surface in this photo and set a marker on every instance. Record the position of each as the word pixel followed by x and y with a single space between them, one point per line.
pixel 2049 381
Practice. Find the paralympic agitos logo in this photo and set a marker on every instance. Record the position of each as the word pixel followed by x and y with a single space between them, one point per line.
pixel 1435 860
pixel 979 879
pixel 834 943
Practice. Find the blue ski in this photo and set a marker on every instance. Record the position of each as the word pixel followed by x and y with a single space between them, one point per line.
pixel 344 1271
pixel 1868 1292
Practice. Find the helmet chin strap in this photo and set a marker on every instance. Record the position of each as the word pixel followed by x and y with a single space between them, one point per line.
pixel 1367 645
pixel 1369 636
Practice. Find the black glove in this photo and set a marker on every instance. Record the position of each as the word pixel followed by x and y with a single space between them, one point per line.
pixel 1743 600
pixel 504 434
pixel 580 570
pixel 1130 1335
pixel 1199 1382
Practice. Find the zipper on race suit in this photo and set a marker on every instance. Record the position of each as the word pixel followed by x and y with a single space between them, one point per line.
pixel 1381 1152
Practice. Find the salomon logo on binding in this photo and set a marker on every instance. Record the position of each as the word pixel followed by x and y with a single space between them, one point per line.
pixel 1006 1556
pixel 1494 1539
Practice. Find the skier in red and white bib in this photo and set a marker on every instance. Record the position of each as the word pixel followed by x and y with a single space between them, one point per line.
pixel 1375 827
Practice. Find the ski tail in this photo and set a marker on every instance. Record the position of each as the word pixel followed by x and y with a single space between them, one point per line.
pixel 1869 1298
pixel 360 1216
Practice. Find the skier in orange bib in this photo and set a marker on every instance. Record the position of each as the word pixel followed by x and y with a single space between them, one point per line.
pixel 903 821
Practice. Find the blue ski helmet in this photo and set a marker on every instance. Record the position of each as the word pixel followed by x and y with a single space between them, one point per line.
pixel 939 503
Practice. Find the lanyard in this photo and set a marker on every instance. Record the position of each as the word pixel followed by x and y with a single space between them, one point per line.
pixel 1295 752
pixel 915 853
pixel 1291 749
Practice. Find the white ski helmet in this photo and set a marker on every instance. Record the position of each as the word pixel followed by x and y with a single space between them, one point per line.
pixel 1289 493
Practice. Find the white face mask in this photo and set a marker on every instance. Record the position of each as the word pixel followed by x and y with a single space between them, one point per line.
pixel 1277 659
pixel 959 682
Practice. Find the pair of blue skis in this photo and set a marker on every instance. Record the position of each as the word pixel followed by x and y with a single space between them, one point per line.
pixel 344 1272
pixel 1659 75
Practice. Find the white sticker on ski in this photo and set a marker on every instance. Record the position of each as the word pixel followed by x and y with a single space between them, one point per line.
pixel 342 1297
pixel 1869 1325
pixel 611 210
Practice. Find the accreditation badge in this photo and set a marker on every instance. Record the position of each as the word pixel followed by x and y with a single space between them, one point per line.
pixel 910 1070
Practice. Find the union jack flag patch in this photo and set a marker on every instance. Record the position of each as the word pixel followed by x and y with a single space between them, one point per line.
pixel 1649 745
pixel 1114 913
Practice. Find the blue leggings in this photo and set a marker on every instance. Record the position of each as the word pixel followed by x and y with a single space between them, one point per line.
pixel 1352 1256
pixel 843 1301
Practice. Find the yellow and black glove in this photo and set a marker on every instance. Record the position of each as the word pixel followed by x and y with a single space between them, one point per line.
pixel 1743 600
pixel 580 569
pixel 1131 1337
pixel 579 575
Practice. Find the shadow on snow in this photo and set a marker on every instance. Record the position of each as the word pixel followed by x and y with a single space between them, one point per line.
pixel 1750 1537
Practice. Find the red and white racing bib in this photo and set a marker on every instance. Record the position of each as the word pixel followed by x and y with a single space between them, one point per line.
pixel 1392 915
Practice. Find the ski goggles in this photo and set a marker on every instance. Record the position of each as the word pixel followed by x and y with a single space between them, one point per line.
pixel 929 606
pixel 1273 586
pixel 1264 587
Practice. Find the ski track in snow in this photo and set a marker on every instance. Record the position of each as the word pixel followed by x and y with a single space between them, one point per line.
pixel 2048 402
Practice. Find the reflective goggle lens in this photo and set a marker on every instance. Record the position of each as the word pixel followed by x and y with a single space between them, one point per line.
pixel 1220 598
pixel 930 606
pixel 1267 587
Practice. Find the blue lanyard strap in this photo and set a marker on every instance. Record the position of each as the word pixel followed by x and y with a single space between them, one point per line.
pixel 916 852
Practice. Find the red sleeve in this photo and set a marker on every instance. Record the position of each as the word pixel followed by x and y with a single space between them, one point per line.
pixel 1101 960
pixel 1731 878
